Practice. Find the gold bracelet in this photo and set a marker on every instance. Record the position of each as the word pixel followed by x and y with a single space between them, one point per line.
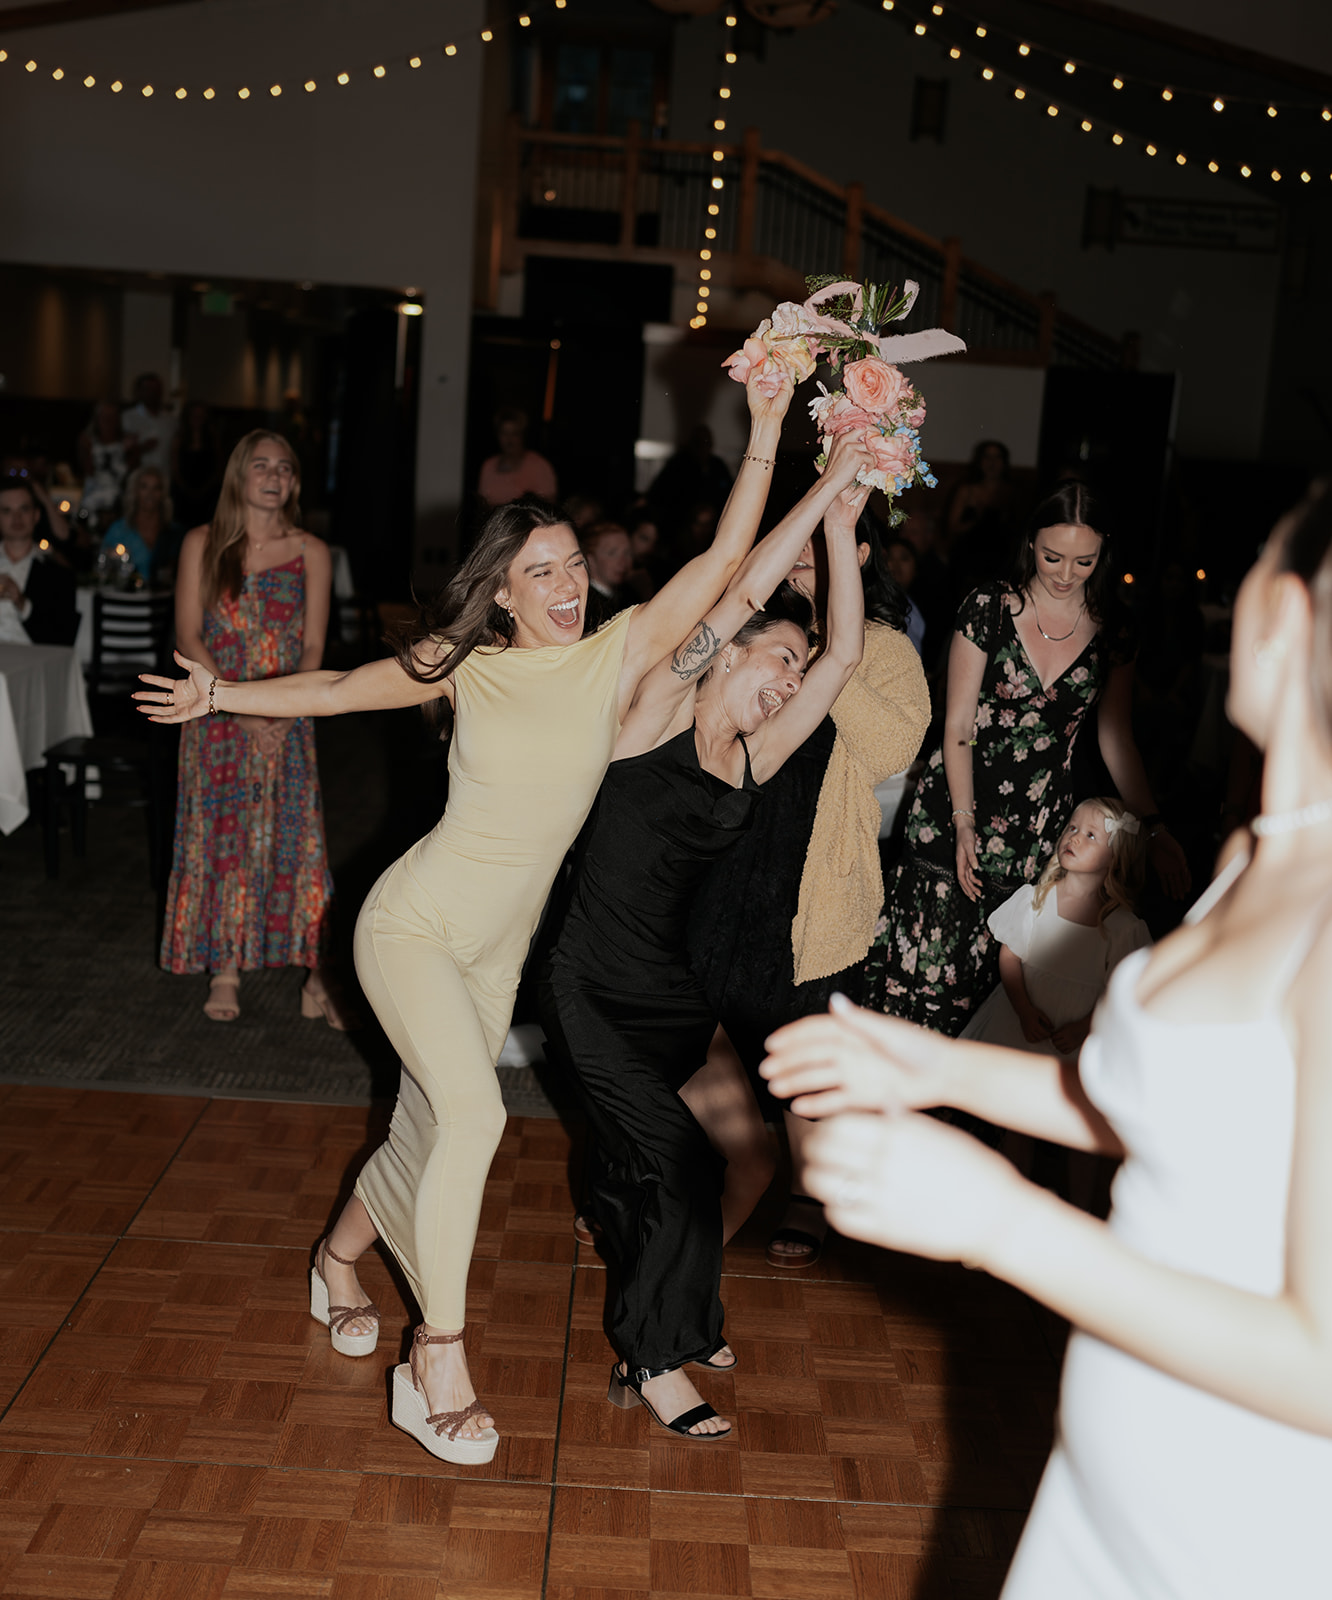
pixel 212 688
pixel 762 461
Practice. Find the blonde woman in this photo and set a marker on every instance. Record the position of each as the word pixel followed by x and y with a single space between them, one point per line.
pixel 1194 1451
pixel 147 529
pixel 250 885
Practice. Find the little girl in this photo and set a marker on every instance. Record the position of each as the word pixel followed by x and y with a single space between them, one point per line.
pixel 1062 937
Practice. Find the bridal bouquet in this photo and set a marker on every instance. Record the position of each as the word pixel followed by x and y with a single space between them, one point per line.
pixel 841 323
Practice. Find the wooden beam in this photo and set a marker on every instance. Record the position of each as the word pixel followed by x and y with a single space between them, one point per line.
pixel 58 11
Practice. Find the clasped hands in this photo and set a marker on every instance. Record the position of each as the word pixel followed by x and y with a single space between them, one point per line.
pixel 885 1172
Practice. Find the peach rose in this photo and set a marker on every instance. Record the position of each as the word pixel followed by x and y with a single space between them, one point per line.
pixel 796 355
pixel 752 355
pixel 874 384
pixel 893 456
pixel 916 417
pixel 841 415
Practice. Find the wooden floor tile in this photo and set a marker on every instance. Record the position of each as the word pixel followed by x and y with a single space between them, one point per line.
pixel 175 1426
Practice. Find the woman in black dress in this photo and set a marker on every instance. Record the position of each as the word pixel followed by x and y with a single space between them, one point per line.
pixel 621 1008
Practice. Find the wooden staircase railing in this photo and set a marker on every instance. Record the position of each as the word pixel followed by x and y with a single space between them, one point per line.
pixel 594 195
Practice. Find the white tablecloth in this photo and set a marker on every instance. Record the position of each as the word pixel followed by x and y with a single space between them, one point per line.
pixel 42 701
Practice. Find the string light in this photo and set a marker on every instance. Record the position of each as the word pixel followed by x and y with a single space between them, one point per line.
pixel 1024 49
pixel 1070 67
pixel 1019 93
pixel 1151 149
pixel 920 29
pixel 450 49
pixel 275 90
pixel 1304 177
pixel 379 72
pixel 90 82
pixel 210 94
pixel 714 210
pixel 1212 167
pixel 1167 94
pixel 1116 138
pixel 344 77
pixel 709 233
pixel 981 32
pixel 1246 172
pixel 310 86
pixel 955 53
pixel 887 5
pixel 30 66
pixel 731 58
pixel 180 94
pixel 1086 126
pixel 1052 111
pixel 486 36
pixel 414 61
pixel 704 291
pixel 1327 114
pixel 147 91
pixel 987 73
pixel 1116 83
pixel 1276 176
pixel 724 93
pixel 117 86
pixel 1271 111
pixel 58 74
pixel 1218 104
pixel 1181 159
pixel 705 274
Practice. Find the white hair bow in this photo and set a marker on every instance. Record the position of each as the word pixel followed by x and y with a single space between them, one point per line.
pixel 1128 822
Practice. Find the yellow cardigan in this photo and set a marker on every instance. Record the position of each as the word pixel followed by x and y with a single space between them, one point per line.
pixel 881 718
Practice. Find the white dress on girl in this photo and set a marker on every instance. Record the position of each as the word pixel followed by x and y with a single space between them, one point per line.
pixel 1157 1490
pixel 1065 965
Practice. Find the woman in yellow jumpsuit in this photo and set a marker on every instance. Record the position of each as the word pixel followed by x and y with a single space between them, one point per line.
pixel 442 938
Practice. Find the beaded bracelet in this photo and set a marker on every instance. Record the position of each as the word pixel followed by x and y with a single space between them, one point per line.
pixel 762 461
pixel 212 709
pixel 958 814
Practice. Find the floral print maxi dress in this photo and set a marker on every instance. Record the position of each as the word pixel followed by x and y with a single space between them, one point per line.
pixel 250 885
pixel 933 960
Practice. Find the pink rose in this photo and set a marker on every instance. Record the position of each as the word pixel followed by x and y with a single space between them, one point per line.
pixel 797 355
pixel 915 418
pixel 874 385
pixel 843 415
pixel 893 456
pixel 752 356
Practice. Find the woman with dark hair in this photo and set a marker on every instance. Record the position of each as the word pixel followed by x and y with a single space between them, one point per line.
pixel 250 886
pixel 621 1007
pixel 1030 659
pixel 788 916
pixel 1193 1458
pixel 443 935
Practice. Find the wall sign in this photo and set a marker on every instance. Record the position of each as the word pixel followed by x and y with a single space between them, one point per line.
pixel 1198 224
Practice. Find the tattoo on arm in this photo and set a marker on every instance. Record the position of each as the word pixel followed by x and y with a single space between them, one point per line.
pixel 695 655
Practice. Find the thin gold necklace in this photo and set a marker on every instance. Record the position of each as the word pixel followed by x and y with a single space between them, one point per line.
pixel 1057 638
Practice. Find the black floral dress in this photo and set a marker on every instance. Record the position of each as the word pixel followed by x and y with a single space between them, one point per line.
pixel 933 959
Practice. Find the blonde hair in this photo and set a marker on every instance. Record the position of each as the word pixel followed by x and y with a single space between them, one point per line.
pixel 132 486
pixel 1123 880
pixel 224 547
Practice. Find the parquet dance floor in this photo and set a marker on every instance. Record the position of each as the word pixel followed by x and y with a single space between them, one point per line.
pixel 174 1424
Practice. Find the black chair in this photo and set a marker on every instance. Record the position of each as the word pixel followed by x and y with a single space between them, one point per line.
pixel 131 634
pixel 150 762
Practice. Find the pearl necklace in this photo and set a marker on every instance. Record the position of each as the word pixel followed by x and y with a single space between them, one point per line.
pixel 1267 824
pixel 1056 638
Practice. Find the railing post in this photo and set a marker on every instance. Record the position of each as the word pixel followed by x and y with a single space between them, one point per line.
pixel 952 276
pixel 1046 326
pixel 629 187
pixel 513 168
pixel 855 223
pixel 748 208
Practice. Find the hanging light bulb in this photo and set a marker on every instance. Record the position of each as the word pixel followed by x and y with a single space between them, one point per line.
pixel 1024 49
pixel 1070 67
pixel 987 73
pixel 1167 94
pixel 1116 83
pixel 1019 94
pixel 1218 104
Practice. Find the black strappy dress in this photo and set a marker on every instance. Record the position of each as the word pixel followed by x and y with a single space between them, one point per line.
pixel 626 1016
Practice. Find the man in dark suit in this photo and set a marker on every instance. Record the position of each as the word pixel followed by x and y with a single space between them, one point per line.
pixel 36 592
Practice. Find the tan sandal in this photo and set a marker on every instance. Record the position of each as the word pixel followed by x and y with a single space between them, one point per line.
pixel 438 1433
pixel 336 1318
pixel 218 1009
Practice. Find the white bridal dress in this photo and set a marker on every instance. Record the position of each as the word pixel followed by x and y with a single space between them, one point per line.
pixel 1157 1490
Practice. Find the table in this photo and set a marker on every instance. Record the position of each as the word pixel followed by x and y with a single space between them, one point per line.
pixel 42 701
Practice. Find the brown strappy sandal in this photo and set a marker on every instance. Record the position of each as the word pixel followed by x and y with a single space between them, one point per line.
pixel 438 1433
pixel 336 1318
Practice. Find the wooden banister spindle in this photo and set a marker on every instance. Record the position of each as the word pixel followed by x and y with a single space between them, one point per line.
pixel 629 187
pixel 854 228
pixel 952 276
pixel 748 207
pixel 1049 305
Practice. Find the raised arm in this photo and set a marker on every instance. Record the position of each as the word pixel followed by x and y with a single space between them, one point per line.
pixel 672 614
pixel 788 728
pixel 664 688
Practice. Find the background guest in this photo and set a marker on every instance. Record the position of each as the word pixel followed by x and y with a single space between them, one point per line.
pixel 149 424
pixel 644 542
pixel 899 556
pixel 980 524
pixel 196 466
pixel 516 470
pixel 36 590
pixel 693 476
pixel 106 455
pixel 148 530
pixel 250 885
pixel 609 560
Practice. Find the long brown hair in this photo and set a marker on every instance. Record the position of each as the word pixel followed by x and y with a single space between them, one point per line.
pixel 465 613
pixel 224 547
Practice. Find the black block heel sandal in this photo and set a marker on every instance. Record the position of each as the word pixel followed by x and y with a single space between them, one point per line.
pixel 627 1392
